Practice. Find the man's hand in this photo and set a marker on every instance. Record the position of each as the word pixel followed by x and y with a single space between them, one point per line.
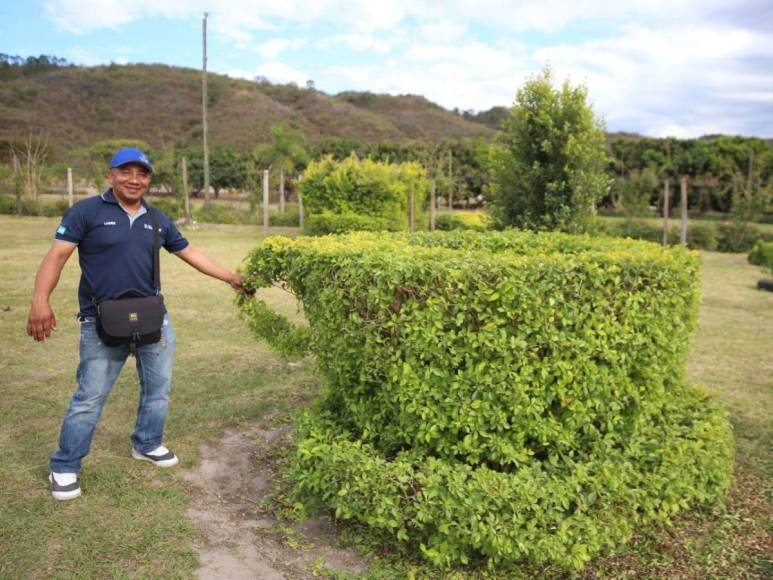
pixel 236 282
pixel 41 321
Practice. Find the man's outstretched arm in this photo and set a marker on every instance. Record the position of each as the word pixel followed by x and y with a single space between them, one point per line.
pixel 41 320
pixel 205 265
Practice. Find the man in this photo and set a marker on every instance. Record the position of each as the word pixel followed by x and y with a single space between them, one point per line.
pixel 114 237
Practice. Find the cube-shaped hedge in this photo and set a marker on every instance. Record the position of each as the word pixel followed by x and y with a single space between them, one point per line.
pixel 504 395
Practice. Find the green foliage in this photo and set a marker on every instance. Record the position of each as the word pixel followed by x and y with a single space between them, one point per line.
pixel 762 255
pixel 724 237
pixel 478 221
pixel 341 223
pixel 33 207
pixel 288 219
pixel 224 214
pixel 737 236
pixel 376 191
pixel 502 396
pixel 170 206
pixel 548 170
pixel 702 236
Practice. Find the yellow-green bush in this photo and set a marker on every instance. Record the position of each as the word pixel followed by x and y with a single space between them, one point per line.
pixel 366 194
pixel 762 255
pixel 470 220
pixel 501 395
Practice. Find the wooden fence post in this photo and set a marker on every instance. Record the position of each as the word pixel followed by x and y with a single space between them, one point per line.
pixel 432 208
pixel 265 201
pixel 683 231
pixel 666 195
pixel 70 193
pixel 186 193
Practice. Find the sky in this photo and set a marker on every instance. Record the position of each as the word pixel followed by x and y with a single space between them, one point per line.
pixel 681 68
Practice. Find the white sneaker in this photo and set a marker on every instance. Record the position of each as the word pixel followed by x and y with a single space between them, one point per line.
pixel 64 486
pixel 160 456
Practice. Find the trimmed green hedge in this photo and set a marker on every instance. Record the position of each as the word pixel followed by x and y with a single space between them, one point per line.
pixel 332 223
pixel 501 396
pixel 354 194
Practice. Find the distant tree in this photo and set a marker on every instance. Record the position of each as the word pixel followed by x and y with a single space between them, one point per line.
pixel 311 85
pixel 100 153
pixel 227 169
pixel 285 155
pixel 29 156
pixel 548 167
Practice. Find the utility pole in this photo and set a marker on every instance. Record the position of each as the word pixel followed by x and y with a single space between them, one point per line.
pixel 204 112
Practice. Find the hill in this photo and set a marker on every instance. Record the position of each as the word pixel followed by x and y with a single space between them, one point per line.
pixel 161 105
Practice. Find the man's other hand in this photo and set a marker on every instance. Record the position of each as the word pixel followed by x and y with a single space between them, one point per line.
pixel 41 321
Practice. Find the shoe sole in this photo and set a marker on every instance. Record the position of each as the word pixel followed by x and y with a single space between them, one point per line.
pixel 64 495
pixel 164 463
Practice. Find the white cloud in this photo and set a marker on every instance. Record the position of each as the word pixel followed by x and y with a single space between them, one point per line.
pixel 356 41
pixel 279 72
pixel 271 49
pixel 674 79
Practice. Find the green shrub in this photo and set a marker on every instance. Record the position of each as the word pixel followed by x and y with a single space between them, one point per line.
pixel 33 207
pixel 7 205
pixel 224 214
pixel 372 189
pixel 168 205
pixel 638 229
pixel 702 236
pixel 737 236
pixel 502 396
pixel 330 223
pixel 472 220
pixel 289 219
pixel 762 255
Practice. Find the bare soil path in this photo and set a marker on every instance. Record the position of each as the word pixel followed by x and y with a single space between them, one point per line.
pixel 237 539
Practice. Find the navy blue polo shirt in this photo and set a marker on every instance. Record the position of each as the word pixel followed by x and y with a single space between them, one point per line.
pixel 115 252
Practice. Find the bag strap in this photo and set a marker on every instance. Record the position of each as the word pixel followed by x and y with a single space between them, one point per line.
pixel 156 257
pixel 156 250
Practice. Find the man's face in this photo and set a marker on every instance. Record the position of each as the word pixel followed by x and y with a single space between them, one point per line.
pixel 129 182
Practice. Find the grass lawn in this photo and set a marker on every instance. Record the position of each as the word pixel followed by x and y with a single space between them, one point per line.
pixel 131 520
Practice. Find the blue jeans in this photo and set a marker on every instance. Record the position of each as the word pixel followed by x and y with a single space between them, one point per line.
pixel 97 372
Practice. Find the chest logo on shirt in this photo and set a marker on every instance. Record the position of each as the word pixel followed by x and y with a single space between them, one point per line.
pixel 108 224
pixel 150 227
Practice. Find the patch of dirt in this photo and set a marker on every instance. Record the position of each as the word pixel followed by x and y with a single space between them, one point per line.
pixel 237 539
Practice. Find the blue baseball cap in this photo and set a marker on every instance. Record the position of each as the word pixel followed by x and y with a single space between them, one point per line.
pixel 130 155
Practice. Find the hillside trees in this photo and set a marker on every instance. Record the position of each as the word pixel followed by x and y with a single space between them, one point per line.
pixel 548 167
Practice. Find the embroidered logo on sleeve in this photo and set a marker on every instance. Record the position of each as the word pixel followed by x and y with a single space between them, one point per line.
pixel 61 229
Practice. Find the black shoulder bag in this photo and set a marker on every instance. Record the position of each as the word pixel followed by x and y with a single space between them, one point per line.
pixel 132 317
